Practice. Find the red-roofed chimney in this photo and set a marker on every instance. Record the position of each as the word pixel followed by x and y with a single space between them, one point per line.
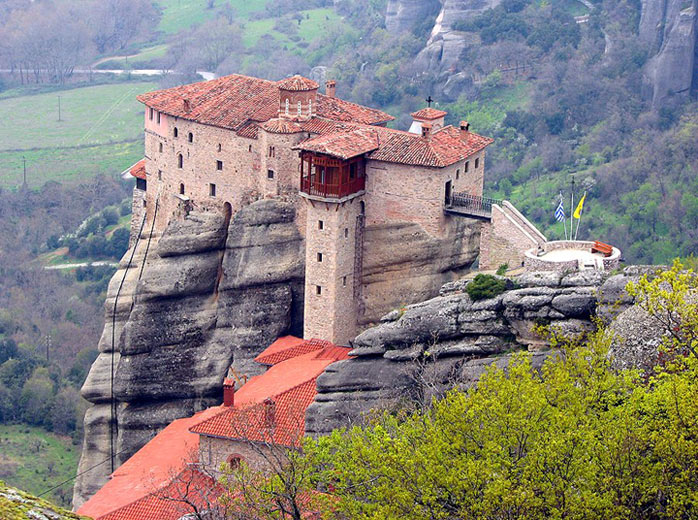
pixel 465 126
pixel 331 88
pixel 187 105
pixel 426 130
pixel 228 392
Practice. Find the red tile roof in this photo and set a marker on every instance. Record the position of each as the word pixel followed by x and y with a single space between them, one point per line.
pixel 171 502
pixel 279 420
pixel 428 114
pixel 288 347
pixel 297 83
pixel 233 101
pixel 282 126
pixel 149 468
pixel 344 144
pixel 138 170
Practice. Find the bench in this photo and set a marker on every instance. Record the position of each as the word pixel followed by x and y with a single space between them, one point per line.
pixel 600 247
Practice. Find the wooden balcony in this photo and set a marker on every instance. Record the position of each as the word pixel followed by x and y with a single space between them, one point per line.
pixel 331 178
pixel 472 206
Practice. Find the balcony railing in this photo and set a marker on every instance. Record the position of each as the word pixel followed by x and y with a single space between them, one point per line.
pixel 312 186
pixel 470 205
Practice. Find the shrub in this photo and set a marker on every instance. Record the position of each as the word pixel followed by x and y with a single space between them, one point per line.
pixel 485 286
pixel 502 269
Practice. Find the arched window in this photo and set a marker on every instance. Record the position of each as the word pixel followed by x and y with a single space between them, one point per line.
pixel 288 106
pixel 310 107
pixel 234 461
pixel 176 131
pixel 191 137
pixel 300 107
pixel 181 189
pixel 180 160
pixel 219 147
pixel 477 162
pixel 160 147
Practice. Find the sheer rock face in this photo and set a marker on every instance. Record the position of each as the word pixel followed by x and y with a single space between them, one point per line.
pixel 212 293
pixel 402 15
pixel 668 30
pixel 425 348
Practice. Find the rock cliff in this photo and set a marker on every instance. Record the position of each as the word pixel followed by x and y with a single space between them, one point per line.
pixel 423 348
pixel 402 15
pixel 668 31
pixel 212 292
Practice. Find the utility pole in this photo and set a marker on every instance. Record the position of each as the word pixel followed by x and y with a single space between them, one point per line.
pixel 24 166
pixel 59 108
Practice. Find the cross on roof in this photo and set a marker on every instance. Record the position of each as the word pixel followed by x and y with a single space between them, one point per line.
pixel 429 101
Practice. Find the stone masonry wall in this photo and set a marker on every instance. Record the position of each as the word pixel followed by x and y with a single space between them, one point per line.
pixel 504 240
pixel 213 452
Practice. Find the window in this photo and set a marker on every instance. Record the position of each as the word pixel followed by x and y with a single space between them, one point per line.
pixel 318 290
pixel 159 175
pixel 140 184
pixel 457 174
pixel 158 117
pixel 467 163
pixel 288 105
pixel 319 257
pixel 300 108
pixel 212 190
pixel 160 148
pixel 346 232
pixel 234 461
pixel 180 160
pixel 219 165
pixel 310 107
pixel 150 114
pixel 191 137
pixel 477 162
pixel 181 189
pixel 219 147
pixel 176 131
pixel 320 224
pixel 272 151
pixel 249 148
pixel 270 174
pixel 344 281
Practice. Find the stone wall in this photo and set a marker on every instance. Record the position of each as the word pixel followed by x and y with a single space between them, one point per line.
pixel 137 213
pixel 462 338
pixel 213 452
pixel 506 238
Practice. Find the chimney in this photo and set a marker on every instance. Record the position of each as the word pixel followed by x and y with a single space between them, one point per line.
pixel 228 392
pixel 464 126
pixel 187 106
pixel 426 130
pixel 330 88
pixel 269 413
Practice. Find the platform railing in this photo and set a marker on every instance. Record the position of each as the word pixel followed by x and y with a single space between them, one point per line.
pixel 326 190
pixel 471 204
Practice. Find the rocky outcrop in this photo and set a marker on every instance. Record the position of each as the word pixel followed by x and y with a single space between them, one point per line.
pixel 210 294
pixel 425 348
pixel 668 30
pixel 416 270
pixel 16 505
pixel 402 15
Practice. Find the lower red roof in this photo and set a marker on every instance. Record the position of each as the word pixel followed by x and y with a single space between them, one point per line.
pixel 138 170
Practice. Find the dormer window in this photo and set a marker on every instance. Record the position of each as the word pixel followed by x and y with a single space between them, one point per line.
pixel 300 108
pixel 288 106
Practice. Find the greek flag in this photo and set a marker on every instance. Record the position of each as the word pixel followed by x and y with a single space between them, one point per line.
pixel 560 212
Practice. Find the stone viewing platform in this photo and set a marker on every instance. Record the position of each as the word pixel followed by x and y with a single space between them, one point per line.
pixel 572 255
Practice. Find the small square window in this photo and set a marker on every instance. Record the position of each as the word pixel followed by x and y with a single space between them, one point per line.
pixel 346 232
pixel 344 281
pixel 318 290
pixel 319 257
pixel 320 224
pixel 212 190
pixel 158 117
pixel 467 163
pixel 219 165
pixel 477 162
pixel 150 114
pixel 270 174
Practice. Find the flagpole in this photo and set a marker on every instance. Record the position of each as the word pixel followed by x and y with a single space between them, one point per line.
pixel 579 220
pixel 564 220
pixel 571 207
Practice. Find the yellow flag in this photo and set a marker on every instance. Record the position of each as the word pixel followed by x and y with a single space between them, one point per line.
pixel 578 211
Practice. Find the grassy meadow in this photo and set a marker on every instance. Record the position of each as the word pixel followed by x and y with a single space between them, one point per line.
pixel 100 131
pixel 34 460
